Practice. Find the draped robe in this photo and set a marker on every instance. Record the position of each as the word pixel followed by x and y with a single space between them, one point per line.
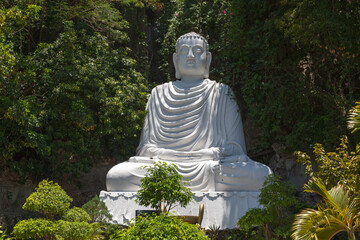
pixel 188 119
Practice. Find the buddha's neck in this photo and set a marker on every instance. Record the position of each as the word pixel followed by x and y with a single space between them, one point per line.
pixel 191 81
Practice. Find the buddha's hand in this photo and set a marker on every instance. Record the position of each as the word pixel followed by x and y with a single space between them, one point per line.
pixel 203 154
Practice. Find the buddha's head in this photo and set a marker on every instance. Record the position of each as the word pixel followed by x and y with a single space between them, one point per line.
pixel 192 58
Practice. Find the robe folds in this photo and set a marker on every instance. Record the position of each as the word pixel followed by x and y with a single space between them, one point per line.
pixel 190 119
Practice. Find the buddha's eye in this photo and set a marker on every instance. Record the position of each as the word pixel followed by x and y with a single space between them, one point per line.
pixel 184 50
pixel 198 50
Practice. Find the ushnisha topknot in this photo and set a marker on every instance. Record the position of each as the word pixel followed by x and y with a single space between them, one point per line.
pixel 191 35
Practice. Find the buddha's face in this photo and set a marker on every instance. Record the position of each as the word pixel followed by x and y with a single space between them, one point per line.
pixel 192 58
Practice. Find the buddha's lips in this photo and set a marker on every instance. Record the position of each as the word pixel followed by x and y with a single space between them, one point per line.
pixel 190 61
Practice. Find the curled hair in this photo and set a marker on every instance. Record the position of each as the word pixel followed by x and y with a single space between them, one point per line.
pixel 189 36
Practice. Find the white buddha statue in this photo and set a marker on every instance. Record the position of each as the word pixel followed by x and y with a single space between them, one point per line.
pixel 195 123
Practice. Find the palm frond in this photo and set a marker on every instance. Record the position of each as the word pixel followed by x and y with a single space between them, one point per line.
pixel 340 196
pixel 338 212
pixel 329 231
pixel 306 223
pixel 354 117
pixel 316 185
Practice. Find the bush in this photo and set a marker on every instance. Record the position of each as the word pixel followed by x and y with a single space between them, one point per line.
pixel 74 230
pixel 163 184
pixel 163 226
pixel 76 215
pixel 49 199
pixel 97 210
pixel 34 229
pixel 339 167
pixel 99 214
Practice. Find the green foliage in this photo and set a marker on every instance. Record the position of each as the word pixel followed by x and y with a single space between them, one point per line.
pixel 215 233
pixel 34 229
pixel 76 214
pixel 159 227
pixel 163 184
pixel 69 92
pixel 295 71
pixel 97 210
pixel 99 214
pixel 52 201
pixel 338 212
pixel 48 229
pixel 339 167
pixel 276 215
pixel 49 199
pixel 74 230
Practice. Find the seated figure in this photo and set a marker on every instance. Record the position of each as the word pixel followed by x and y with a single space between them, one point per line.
pixel 195 123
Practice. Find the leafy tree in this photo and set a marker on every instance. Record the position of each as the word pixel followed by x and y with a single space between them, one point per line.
pixel 163 184
pixel 69 92
pixel 275 217
pixel 338 212
pixel 159 227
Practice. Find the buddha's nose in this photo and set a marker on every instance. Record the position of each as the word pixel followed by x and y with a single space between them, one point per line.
pixel 190 54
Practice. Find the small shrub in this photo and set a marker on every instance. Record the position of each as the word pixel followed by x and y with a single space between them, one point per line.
pixel 34 229
pixel 99 214
pixel 339 167
pixel 74 230
pixel 76 215
pixel 49 199
pixel 97 210
pixel 163 184
pixel 163 226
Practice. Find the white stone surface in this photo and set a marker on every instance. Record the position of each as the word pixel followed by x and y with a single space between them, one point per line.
pixel 221 208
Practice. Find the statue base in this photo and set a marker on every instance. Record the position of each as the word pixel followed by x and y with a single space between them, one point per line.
pixel 222 209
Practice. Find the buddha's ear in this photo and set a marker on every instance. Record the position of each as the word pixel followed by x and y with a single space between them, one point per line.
pixel 175 60
pixel 208 62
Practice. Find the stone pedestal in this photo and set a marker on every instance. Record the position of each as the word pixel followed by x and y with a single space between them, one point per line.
pixel 221 208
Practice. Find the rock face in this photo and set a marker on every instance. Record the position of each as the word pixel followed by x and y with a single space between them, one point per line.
pixel 285 165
